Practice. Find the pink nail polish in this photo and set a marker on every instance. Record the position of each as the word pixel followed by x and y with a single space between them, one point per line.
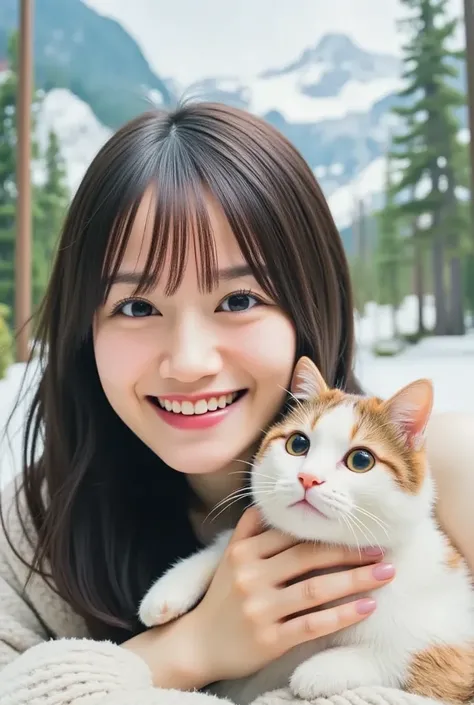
pixel 383 571
pixel 373 551
pixel 365 606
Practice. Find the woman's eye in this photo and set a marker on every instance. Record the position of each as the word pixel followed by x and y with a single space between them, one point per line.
pixel 238 302
pixel 136 309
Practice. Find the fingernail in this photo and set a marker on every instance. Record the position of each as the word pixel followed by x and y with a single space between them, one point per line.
pixel 383 571
pixel 373 551
pixel 365 606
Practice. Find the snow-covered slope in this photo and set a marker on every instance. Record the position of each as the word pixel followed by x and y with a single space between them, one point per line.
pixel 328 81
pixel 80 134
pixel 285 94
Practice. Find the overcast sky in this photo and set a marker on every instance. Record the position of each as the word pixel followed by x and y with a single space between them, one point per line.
pixel 190 39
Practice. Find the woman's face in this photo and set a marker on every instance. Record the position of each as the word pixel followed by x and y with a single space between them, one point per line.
pixel 196 376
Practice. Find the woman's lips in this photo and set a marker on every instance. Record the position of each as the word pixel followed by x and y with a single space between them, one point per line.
pixel 196 421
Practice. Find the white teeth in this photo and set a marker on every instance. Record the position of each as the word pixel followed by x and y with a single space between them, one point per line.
pixel 202 406
pixel 187 408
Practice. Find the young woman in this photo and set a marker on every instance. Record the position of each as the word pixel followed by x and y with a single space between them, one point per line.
pixel 198 261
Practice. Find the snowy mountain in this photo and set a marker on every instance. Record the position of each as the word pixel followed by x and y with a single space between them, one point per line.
pixel 92 56
pixel 333 102
pixel 328 81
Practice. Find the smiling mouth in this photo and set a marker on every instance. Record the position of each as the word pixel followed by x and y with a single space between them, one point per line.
pixel 198 408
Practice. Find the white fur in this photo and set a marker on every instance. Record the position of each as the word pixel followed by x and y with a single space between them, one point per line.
pixel 183 585
pixel 428 603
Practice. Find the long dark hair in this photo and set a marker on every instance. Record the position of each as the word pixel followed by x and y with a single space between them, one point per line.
pixel 110 516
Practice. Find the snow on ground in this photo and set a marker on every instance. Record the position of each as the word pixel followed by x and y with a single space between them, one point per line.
pixel 448 362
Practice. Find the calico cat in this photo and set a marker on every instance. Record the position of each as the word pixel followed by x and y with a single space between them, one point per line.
pixel 360 465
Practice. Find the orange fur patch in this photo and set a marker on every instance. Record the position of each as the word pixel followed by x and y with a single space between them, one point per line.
pixel 454 559
pixel 272 435
pixel 301 415
pixel 444 673
pixel 374 430
pixel 314 409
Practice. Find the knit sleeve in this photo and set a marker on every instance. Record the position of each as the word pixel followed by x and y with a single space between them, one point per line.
pixel 86 672
pixel 374 695
pixel 46 657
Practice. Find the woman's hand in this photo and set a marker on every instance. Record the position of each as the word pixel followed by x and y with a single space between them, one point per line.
pixel 249 615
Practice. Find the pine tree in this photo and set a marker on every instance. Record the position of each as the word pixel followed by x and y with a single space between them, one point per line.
pixel 391 253
pixel 429 150
pixel 52 200
pixel 362 262
pixel 8 91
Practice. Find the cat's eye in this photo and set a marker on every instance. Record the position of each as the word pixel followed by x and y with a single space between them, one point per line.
pixel 297 444
pixel 360 460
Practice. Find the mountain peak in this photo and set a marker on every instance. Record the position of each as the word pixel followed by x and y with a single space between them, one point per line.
pixel 336 43
pixel 337 53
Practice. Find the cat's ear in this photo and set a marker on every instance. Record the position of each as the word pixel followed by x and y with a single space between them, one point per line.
pixel 307 380
pixel 410 409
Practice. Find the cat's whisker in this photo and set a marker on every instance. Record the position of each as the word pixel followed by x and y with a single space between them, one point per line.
pixel 358 522
pixel 351 528
pixel 222 506
pixel 249 472
pixel 228 507
pixel 356 526
pixel 370 514
pixel 290 393
pixel 244 462
pixel 239 494
pixel 373 518
pixel 299 411
pixel 235 497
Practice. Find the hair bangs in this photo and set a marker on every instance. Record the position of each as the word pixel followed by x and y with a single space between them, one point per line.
pixel 179 221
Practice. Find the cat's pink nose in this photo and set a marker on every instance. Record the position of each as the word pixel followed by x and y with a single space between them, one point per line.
pixel 308 481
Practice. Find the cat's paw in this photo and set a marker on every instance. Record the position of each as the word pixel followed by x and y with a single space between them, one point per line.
pixel 333 671
pixel 161 605
pixel 309 683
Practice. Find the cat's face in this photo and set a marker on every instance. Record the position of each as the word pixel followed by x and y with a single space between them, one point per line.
pixel 343 468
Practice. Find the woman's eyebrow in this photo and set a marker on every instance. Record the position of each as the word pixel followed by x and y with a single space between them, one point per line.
pixel 227 274
pixel 236 272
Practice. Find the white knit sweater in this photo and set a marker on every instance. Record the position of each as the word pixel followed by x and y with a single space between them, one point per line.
pixel 47 658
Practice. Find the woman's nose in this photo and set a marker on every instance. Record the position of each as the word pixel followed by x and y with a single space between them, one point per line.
pixel 192 353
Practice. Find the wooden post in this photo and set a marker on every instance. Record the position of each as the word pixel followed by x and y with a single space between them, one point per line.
pixel 24 211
